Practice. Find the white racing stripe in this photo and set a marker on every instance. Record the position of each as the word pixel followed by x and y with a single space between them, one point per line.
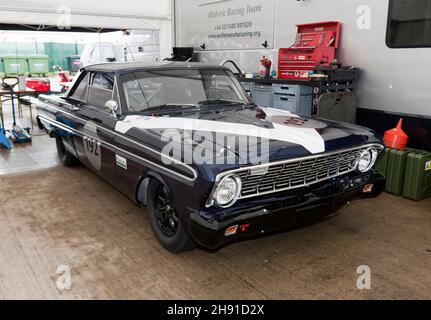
pixel 309 138
pixel 277 112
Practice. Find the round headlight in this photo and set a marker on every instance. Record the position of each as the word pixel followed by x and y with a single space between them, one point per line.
pixel 228 190
pixel 367 159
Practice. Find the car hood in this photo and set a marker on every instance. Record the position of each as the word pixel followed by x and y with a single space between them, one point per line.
pixel 288 135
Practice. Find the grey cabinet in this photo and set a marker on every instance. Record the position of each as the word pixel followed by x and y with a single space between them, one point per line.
pixel 285 89
pixel 294 98
pixel 262 94
pixel 284 102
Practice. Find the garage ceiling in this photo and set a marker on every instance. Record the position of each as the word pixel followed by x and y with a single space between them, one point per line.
pixel 83 15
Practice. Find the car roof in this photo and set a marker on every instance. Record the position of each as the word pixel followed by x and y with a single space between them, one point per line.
pixel 127 67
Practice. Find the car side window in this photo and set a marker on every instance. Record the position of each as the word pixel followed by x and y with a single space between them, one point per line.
pixel 100 90
pixel 80 91
pixel 103 81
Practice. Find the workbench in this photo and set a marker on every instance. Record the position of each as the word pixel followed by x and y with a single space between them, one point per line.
pixel 298 96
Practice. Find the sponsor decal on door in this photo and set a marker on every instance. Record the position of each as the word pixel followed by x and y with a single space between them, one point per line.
pixel 121 161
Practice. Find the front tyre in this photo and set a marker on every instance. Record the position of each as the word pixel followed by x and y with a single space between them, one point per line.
pixel 65 156
pixel 164 221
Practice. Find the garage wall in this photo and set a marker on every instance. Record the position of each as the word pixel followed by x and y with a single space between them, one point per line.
pixel 393 80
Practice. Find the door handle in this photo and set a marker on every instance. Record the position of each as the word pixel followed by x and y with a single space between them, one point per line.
pixel 96 120
pixel 74 108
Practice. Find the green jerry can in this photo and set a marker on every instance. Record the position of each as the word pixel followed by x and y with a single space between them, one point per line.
pixel 417 182
pixel 382 162
pixel 395 170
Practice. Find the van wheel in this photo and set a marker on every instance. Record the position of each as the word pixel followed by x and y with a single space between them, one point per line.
pixel 65 156
pixel 164 221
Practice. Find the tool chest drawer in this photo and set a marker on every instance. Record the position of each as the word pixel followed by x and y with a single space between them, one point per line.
pixel 284 102
pixel 301 105
pixel 285 89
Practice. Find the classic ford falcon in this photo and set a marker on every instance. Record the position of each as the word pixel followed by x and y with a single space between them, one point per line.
pixel 185 140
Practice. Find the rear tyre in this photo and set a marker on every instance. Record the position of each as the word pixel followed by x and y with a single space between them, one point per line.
pixel 164 221
pixel 65 156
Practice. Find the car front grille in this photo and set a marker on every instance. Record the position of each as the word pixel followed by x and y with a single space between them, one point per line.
pixel 297 173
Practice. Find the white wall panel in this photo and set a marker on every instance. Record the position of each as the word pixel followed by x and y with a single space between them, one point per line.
pixel 240 24
pixel 393 80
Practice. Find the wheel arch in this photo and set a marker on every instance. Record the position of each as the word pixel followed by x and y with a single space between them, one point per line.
pixel 40 124
pixel 142 190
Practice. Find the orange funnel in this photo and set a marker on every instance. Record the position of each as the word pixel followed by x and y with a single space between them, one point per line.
pixel 396 138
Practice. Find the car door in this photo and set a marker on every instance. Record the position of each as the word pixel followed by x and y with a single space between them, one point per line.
pixel 76 98
pixel 95 144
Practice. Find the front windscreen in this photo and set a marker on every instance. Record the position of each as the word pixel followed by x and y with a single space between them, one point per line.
pixel 158 89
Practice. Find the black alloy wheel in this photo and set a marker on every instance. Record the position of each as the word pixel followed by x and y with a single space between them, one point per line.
pixel 165 214
pixel 165 222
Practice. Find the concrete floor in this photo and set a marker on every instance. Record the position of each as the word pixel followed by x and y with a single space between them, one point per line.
pixel 54 219
pixel 59 219
pixel 41 153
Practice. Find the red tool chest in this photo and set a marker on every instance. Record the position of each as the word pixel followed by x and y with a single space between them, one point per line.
pixel 315 45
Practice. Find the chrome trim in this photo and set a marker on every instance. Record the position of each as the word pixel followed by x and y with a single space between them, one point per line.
pixel 45 120
pixel 220 176
pixel 116 91
pixel 74 131
pixel 173 160
pixel 374 157
pixel 211 201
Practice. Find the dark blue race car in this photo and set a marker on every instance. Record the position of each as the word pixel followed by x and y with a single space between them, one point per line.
pixel 185 140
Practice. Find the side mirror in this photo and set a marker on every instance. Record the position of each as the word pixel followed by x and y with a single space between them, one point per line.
pixel 112 106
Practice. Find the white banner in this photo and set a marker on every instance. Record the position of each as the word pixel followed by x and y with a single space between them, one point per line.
pixel 228 24
pixel 109 14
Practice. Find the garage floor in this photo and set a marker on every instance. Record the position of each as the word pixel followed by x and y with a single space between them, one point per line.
pixel 22 158
pixel 69 217
pixel 39 154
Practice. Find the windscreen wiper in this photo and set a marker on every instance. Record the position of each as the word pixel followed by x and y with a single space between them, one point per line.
pixel 222 101
pixel 170 107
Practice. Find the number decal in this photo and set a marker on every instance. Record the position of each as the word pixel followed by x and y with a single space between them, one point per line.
pixel 93 152
pixel 92 146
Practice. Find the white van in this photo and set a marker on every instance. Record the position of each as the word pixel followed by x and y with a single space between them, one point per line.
pixel 99 52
